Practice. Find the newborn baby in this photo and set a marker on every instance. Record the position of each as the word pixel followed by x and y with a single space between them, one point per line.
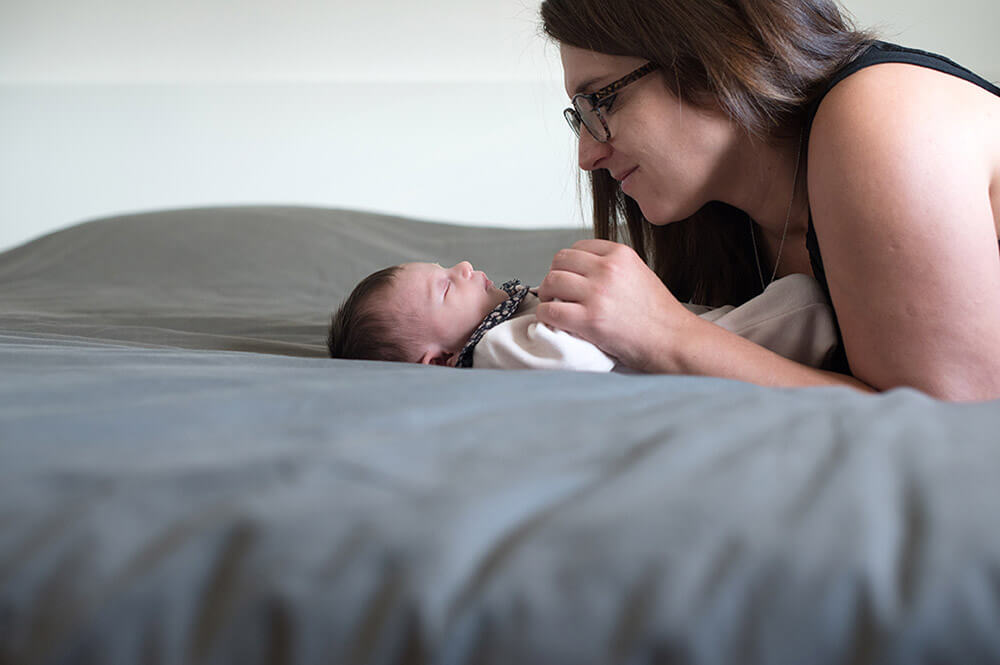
pixel 425 313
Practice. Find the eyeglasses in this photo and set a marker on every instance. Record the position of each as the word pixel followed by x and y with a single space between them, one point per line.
pixel 586 109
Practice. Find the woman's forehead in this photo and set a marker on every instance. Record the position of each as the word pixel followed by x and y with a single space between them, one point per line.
pixel 585 71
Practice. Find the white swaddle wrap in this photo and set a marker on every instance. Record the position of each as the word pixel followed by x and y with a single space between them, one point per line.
pixel 791 317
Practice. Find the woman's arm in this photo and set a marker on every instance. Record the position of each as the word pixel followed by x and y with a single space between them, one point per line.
pixel 710 350
pixel 900 165
pixel 607 295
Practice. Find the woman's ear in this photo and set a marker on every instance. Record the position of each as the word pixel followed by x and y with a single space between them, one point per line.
pixel 438 356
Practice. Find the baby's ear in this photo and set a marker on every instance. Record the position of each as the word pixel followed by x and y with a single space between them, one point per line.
pixel 438 357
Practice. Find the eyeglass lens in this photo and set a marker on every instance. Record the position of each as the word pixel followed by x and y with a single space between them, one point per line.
pixel 573 120
pixel 583 111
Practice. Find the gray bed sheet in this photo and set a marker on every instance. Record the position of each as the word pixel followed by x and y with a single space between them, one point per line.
pixel 184 478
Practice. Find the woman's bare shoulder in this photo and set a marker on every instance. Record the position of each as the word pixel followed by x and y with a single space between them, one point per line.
pixel 901 164
pixel 911 110
pixel 907 102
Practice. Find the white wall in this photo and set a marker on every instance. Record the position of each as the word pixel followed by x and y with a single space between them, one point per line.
pixel 268 40
pixel 446 110
pixel 964 30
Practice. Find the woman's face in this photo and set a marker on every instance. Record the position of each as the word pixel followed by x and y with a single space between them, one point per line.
pixel 668 155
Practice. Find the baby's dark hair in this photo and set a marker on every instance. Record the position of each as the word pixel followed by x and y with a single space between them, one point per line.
pixel 359 330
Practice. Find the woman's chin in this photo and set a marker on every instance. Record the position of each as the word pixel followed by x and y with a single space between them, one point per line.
pixel 655 216
pixel 661 213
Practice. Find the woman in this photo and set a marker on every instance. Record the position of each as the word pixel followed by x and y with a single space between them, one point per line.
pixel 735 141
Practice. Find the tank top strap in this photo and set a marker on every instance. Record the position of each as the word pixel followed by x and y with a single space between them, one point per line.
pixel 882 52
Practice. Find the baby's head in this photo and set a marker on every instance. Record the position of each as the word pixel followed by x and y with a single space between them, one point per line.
pixel 414 312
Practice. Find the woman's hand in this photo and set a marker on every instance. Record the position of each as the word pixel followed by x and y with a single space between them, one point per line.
pixel 603 292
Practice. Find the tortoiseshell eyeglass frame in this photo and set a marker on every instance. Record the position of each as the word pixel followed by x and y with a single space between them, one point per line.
pixel 574 115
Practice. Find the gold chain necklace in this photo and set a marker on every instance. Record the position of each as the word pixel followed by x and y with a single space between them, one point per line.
pixel 788 216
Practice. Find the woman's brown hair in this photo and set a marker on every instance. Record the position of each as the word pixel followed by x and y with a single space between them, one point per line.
pixel 361 331
pixel 762 62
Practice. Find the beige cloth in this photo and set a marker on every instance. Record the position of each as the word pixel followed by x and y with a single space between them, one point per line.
pixel 791 317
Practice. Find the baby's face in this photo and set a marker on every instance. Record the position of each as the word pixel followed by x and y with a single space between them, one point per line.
pixel 451 302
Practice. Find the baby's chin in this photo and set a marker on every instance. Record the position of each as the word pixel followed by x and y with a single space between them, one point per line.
pixel 497 296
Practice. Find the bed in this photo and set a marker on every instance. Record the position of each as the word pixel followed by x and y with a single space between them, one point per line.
pixel 186 478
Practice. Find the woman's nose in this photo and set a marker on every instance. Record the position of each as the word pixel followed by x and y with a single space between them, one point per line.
pixel 591 151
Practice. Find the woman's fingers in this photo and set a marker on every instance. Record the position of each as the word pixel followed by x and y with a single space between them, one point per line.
pixel 587 255
pixel 605 293
pixel 579 261
pixel 563 285
pixel 598 247
pixel 568 316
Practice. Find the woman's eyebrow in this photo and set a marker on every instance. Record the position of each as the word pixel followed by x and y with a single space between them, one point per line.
pixel 589 83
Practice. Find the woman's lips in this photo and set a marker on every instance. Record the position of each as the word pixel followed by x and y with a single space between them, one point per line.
pixel 627 176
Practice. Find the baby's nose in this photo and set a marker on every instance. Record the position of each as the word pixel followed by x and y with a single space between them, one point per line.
pixel 464 268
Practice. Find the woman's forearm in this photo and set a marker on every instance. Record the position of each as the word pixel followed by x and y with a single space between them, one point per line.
pixel 702 348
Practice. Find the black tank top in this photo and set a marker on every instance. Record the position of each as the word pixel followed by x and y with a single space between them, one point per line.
pixel 877 53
